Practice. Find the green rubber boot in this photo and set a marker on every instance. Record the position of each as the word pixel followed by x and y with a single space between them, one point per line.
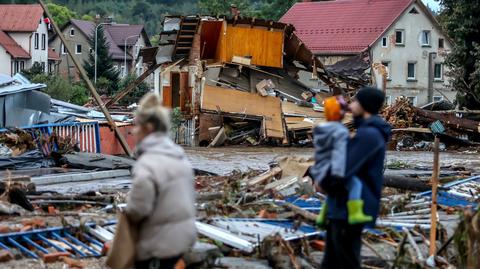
pixel 322 216
pixel 355 212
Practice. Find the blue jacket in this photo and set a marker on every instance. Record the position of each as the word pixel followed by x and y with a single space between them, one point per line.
pixel 365 159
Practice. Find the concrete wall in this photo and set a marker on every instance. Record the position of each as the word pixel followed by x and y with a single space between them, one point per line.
pixel 412 51
pixel 5 66
pixel 66 67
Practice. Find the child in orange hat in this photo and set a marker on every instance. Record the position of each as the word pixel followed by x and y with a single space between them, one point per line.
pixel 330 141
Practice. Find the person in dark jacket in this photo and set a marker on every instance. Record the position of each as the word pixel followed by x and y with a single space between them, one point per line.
pixel 365 159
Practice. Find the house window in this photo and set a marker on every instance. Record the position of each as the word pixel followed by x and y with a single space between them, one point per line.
pixel 36 41
pixel 72 32
pixel 411 71
pixel 78 49
pixel 137 50
pixel 16 67
pixel 44 41
pixel 43 66
pixel 438 72
pixel 413 11
pixel 388 66
pixel 441 43
pixel 400 37
pixel 63 49
pixel 412 100
pixel 425 38
pixel 384 42
pixel 437 98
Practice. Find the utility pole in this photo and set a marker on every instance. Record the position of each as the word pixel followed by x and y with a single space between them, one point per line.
pixel 90 86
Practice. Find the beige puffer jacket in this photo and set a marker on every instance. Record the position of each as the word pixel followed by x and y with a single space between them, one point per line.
pixel 162 199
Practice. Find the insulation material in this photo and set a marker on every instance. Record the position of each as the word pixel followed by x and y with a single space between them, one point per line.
pixel 242 103
pixel 263 46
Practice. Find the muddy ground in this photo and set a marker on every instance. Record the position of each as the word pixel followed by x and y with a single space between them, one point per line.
pixel 225 160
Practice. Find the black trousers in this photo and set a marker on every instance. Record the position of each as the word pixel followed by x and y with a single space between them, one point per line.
pixel 156 263
pixel 343 245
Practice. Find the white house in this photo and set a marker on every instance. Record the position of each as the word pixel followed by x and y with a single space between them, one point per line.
pixel 23 38
pixel 402 35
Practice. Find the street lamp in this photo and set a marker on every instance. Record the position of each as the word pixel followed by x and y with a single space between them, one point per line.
pixel 96 30
pixel 125 56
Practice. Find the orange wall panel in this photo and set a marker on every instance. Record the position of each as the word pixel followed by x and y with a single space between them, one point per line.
pixel 109 143
pixel 167 96
pixel 264 46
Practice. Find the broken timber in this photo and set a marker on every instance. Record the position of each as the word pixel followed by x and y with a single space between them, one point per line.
pixel 90 86
pixel 139 80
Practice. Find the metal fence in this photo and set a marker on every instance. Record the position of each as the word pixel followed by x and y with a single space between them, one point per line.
pixel 85 134
pixel 184 134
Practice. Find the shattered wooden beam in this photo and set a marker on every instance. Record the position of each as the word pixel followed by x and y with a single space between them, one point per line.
pixel 139 80
pixel 90 86
pixel 450 120
pixel 132 85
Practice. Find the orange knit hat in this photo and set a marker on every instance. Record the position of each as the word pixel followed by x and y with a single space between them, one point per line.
pixel 333 109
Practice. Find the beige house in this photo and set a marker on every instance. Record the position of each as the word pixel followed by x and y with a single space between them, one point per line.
pixel 125 42
pixel 402 35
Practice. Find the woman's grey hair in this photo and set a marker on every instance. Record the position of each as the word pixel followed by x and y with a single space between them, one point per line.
pixel 151 111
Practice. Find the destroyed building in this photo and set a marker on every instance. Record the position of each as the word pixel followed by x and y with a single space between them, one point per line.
pixel 236 80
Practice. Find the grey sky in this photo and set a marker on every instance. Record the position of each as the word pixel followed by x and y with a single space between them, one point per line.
pixel 432 4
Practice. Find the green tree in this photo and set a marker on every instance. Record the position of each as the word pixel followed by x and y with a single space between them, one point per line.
pixel 105 67
pixel 61 89
pixel 61 14
pixel 135 95
pixel 33 71
pixel 222 7
pixel 274 9
pixel 462 23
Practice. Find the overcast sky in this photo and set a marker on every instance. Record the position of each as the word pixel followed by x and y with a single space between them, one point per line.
pixel 432 4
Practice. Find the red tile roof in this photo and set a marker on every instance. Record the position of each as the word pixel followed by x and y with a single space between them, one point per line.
pixel 343 26
pixel 12 47
pixel 52 55
pixel 20 18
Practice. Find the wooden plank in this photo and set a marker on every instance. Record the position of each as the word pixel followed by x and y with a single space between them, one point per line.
pixel 244 103
pixel 300 126
pixel 290 108
pixel 265 47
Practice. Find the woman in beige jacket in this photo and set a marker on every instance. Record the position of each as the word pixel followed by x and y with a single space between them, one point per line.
pixel 161 202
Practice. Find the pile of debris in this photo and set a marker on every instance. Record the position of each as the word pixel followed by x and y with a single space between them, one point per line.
pixel 258 218
pixel 411 126
pixel 246 92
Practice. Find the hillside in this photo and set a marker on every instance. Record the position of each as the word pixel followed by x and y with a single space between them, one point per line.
pixel 151 12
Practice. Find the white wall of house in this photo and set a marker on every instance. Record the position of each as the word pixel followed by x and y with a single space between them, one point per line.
pixel 414 52
pixel 38 51
pixel 5 67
